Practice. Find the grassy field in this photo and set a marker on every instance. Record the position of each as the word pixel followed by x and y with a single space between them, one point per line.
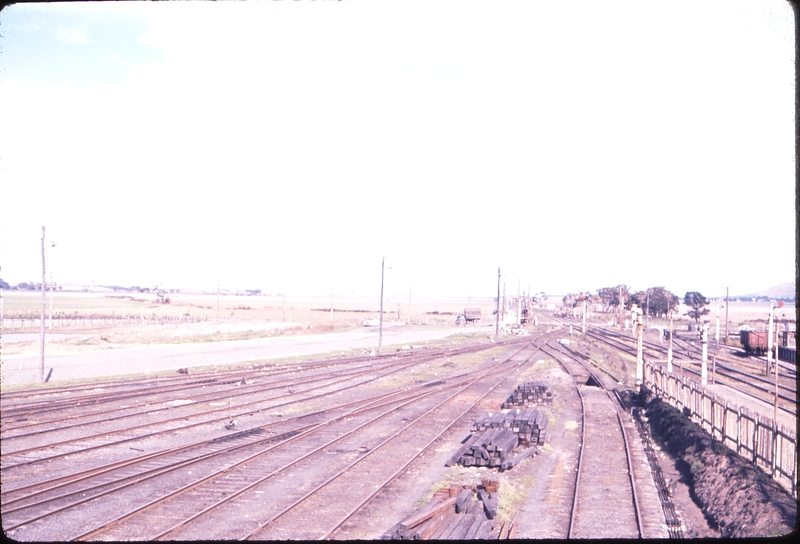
pixel 27 305
pixel 194 318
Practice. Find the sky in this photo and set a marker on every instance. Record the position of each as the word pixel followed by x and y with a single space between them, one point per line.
pixel 291 146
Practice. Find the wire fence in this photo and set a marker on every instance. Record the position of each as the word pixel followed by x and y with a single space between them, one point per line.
pixel 763 441
pixel 34 324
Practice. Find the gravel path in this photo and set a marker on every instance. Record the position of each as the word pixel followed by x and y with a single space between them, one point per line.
pixel 22 370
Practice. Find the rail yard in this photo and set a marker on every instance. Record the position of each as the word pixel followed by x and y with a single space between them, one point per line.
pixel 430 441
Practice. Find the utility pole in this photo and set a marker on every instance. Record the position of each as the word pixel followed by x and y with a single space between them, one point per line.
pixel 41 351
pixel 775 414
pixel 769 339
pixel 704 364
pixel 726 314
pixel 584 316
pixel 497 310
pixel 639 320
pixel 620 306
pixel 380 323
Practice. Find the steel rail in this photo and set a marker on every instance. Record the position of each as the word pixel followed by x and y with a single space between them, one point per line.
pixel 128 480
pixel 193 485
pixel 768 398
pixel 402 468
pixel 213 395
pixel 74 478
pixel 181 418
pixel 93 400
pixel 635 499
pixel 283 439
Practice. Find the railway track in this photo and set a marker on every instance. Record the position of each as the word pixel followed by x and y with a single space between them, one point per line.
pixel 160 416
pixel 604 484
pixel 728 368
pixel 205 479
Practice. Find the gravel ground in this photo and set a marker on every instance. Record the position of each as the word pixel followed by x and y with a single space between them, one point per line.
pixel 117 362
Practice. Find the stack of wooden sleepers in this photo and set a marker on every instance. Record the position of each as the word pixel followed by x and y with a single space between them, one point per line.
pixel 529 393
pixel 455 513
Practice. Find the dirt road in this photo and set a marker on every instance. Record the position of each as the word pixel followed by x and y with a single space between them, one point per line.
pixel 22 370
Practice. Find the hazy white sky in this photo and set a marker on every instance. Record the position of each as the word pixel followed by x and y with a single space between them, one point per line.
pixel 291 145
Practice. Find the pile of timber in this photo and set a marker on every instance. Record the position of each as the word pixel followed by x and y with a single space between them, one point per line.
pixel 529 424
pixel 529 393
pixel 495 437
pixel 491 448
pixel 456 513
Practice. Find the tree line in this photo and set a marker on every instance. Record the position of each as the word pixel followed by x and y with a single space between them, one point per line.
pixel 653 301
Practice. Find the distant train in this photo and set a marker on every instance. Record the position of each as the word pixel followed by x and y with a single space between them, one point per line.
pixel 756 342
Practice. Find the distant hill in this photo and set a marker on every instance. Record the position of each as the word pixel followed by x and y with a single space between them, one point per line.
pixel 784 291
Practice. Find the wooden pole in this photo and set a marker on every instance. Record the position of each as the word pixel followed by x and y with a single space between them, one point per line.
pixel 380 322
pixel 584 316
pixel 497 312
pixel 726 314
pixel 41 351
pixel 775 414
pixel 769 339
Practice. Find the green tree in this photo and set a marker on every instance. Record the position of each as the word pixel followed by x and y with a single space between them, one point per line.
pixel 609 296
pixel 654 301
pixel 696 302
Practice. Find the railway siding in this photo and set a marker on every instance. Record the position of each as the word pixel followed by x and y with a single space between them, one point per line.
pixel 604 508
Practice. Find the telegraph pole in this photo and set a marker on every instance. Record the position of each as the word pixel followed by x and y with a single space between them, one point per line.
pixel 584 316
pixel 639 351
pixel 497 312
pixel 41 351
pixel 704 363
pixel 726 314
pixel 380 323
pixel 769 339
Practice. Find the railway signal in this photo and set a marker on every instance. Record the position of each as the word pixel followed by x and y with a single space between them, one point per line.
pixel 638 319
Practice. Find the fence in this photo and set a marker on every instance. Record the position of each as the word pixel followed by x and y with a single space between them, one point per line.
pixel 766 443
pixel 34 324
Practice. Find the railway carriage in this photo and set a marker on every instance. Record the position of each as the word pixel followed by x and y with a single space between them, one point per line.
pixel 754 341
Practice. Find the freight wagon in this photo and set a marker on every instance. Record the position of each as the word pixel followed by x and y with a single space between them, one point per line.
pixel 754 341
